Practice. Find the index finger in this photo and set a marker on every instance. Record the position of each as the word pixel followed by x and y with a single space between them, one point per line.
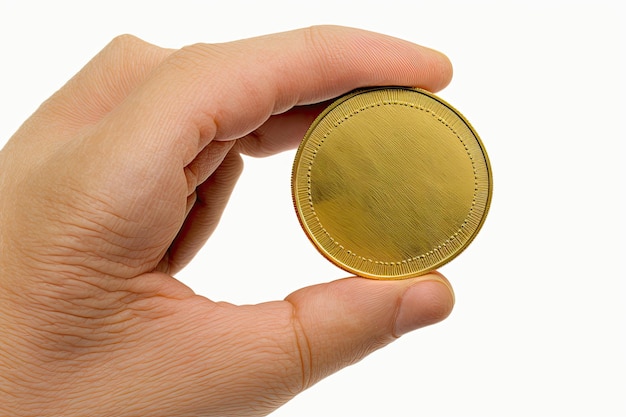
pixel 224 91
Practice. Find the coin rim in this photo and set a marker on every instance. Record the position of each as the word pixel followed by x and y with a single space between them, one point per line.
pixel 313 239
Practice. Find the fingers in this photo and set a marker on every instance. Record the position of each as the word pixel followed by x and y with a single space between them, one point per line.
pixel 206 204
pixel 181 100
pixel 205 92
pixel 281 132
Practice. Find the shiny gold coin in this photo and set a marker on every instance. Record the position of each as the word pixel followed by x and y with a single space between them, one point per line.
pixel 391 183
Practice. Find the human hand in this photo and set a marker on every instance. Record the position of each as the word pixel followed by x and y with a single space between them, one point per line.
pixel 115 183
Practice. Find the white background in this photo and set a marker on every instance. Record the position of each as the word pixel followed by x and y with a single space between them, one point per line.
pixel 539 328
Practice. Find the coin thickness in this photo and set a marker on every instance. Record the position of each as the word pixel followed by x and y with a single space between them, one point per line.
pixel 391 183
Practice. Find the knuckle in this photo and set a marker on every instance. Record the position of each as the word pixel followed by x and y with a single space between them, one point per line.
pixel 197 55
pixel 126 48
pixel 124 42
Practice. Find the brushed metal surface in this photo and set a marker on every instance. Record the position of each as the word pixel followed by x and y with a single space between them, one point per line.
pixel 391 183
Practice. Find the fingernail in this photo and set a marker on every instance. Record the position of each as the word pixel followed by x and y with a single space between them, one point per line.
pixel 424 303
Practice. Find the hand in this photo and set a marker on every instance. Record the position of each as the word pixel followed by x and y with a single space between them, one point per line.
pixel 114 184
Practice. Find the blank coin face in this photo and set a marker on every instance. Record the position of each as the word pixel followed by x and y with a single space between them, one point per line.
pixel 391 183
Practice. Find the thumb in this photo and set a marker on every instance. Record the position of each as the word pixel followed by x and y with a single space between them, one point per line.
pixel 249 360
pixel 341 322
pixel 198 357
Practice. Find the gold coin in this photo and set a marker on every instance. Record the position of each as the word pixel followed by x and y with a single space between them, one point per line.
pixel 391 183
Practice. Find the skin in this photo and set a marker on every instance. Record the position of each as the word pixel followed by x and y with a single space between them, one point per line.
pixel 115 183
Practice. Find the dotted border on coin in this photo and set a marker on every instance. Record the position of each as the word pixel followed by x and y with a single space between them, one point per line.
pixel 441 251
